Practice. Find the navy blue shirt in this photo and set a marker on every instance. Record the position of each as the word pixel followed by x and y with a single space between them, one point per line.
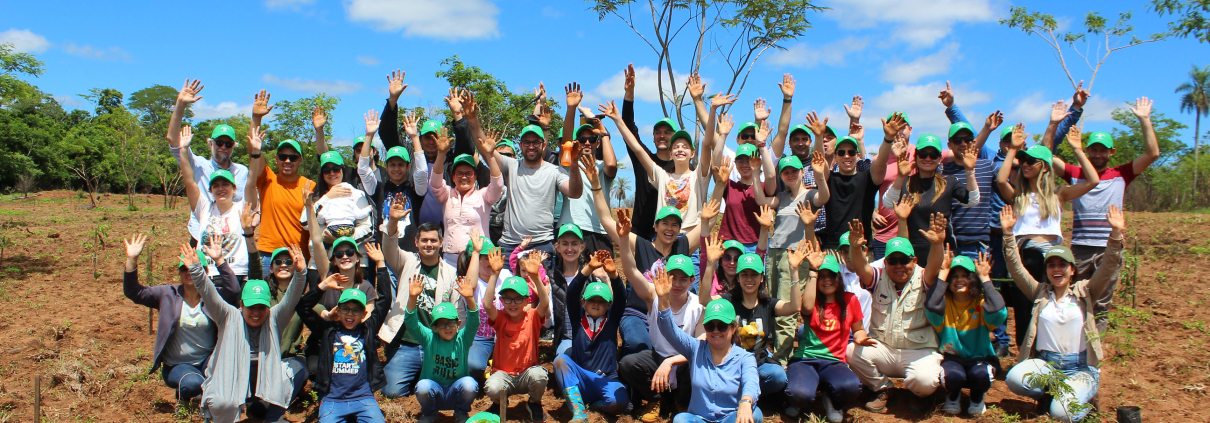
pixel 597 354
pixel 989 192
pixel 349 379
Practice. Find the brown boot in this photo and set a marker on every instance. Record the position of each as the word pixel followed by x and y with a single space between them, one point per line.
pixel 879 402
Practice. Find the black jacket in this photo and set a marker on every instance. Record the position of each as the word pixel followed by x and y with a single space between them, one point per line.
pixel 323 374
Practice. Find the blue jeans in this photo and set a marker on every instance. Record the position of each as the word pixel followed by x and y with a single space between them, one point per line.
pixel 266 263
pixel 360 411
pixel 772 379
pixel 506 250
pixel 835 378
pixel 185 379
pixel 1083 380
pixel 696 259
pixel 477 357
pixel 635 335
pixel 299 368
pixel 999 271
pixel 402 369
pixel 606 393
pixel 458 396
pixel 563 346
pixel 877 249
pixel 692 418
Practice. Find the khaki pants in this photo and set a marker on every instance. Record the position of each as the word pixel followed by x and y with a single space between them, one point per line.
pixel 876 365
pixel 777 267
pixel 532 381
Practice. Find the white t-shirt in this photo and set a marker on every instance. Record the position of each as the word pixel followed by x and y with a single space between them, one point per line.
pixel 1061 326
pixel 230 230
pixel 687 318
pixel 696 195
pixel 852 284
pixel 194 338
pixel 344 210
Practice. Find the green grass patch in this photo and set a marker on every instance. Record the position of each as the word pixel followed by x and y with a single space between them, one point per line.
pixel 4 212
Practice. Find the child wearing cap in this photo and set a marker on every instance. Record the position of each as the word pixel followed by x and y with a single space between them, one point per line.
pixel 518 329
pixel 345 213
pixel 832 315
pixel 485 336
pixel 739 198
pixel 187 333
pixel 1062 333
pixel 964 307
pixel 466 206
pixel 217 212
pixel 247 366
pixel 572 255
pixel 445 382
pixel 852 283
pixel 588 371
pixel 348 370
pixel 409 182
pixel 931 190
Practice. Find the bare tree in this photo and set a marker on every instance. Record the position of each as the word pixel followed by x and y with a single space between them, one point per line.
pixel 89 173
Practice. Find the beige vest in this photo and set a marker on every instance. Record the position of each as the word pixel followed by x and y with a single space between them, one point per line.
pixel 899 320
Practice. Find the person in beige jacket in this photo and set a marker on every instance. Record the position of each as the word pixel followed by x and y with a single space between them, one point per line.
pixel 902 343
pixel 1062 335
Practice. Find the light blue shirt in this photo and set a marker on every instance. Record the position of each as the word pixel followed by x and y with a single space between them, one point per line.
pixel 717 389
pixel 202 168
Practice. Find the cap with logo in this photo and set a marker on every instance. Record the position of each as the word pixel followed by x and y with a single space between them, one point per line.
pixel 846 139
pixel 745 150
pixel 905 117
pixel 289 143
pixel 681 262
pixel 573 229
pixel 582 128
pixel 900 245
pixel 280 250
pixel 484 417
pixel 958 126
pixel 830 263
pixel 507 143
pixel 485 248
pixel 844 239
pixel 598 290
pixel 751 262
pixel 331 158
pixel 678 135
pixel 338 242
pixel 400 152
pixel 516 284
pixel 928 140
pixel 1007 132
pixel 532 129
pixel 223 130
pixel 835 133
pixel 222 174
pixel 963 262
pixel 256 292
pixel 357 141
pixel 465 159
pixel 1062 252
pixel 801 127
pixel 667 121
pixel 733 244
pixel 1041 153
pixel 352 294
pixel 667 211
pixel 747 125
pixel 429 126
pixel 789 161
pixel 445 311
pixel 1102 138
pixel 719 310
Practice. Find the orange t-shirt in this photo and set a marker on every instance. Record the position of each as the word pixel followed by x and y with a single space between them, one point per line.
pixel 516 342
pixel 281 209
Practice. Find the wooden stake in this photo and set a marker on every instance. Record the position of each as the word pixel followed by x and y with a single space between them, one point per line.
pixel 503 401
pixel 38 399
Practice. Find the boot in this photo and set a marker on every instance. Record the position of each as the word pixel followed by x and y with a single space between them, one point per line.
pixel 579 413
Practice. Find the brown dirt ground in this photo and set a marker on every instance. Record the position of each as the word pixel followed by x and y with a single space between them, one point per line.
pixel 91 346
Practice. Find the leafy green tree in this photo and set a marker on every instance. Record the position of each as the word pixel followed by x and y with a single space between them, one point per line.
pixel 501 109
pixel 107 100
pixel 1192 17
pixel 293 121
pixel 153 105
pixel 1195 97
pixel 14 64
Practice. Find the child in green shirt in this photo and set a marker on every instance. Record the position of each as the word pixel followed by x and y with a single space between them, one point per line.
pixel 445 381
pixel 963 308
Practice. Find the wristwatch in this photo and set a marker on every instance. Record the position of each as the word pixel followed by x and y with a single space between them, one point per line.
pixel 254 156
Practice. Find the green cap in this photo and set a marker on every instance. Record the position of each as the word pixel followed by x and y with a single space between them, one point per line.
pixel 900 245
pixel 598 290
pixel 1100 137
pixel 789 161
pixel 445 311
pixel 360 139
pixel 747 150
pixel 667 121
pixel 572 228
pixel 1062 252
pixel 465 159
pixel 430 126
pixel 830 263
pixel 751 262
pixel 747 125
pixel 400 152
pixel 222 174
pixel 353 294
pixel 516 284
pixel 1007 132
pixel 679 135
pixel 835 133
pixel 958 126
pixel 486 247
pixel 963 262
pixel 279 251
pixel 928 140
pixel 509 144
pixel 844 239
pixel 341 240
pixel 256 292
pixel 289 143
pixel 681 262
pixel 800 127
pixel 201 258
pixel 484 417
pixel 720 310
pixel 331 157
pixel 581 128
pixel 532 129
pixel 1040 152
pixel 849 140
pixel 223 130
pixel 905 117
pixel 668 211
pixel 729 244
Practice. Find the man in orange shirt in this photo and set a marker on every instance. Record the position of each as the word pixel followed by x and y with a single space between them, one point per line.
pixel 281 192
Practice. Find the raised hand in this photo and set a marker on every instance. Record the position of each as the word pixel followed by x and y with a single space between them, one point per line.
pixel 186 137
pixel 596 260
pixel 588 165
pixel 710 210
pixel 609 109
pixel 854 111
pixel 476 240
pixel 470 108
pixel 856 130
pixel 372 122
pixel 574 95
pixel 533 262
pixel 1142 108
pixel 214 249
pixel 333 281
pixel 714 249
pixel 936 232
pixel 947 96
pixel 544 116
pixel 525 243
pixel 489 139
pixel 188 255
pixel 1019 137
pixel 765 217
pixel 134 246
pixel 798 253
pixel 443 140
pixel 300 261
pixel 1080 97
pixel 416 285
pixel 628 85
pixel 787 85
pixel 762 133
pixel 722 172
pixel 1058 111
pixel 994 120
pixel 662 281
pixel 819 162
pixel 903 208
pixel 947 260
pixel 398 211
pixel 256 138
pixel 318 117
pixel 410 121
pixel 1074 140
pixel 695 86
pixel 724 123
pixel 722 100
pixel 623 225
pixel 1008 219
pixel 495 259
pixel 395 83
pixel 260 104
pixel 806 214
pixel 374 252
pixel 970 155
pixel 454 101
pixel 817 126
pixel 249 219
pixel 1117 220
pixel 188 94
pixel 760 111
pixel 983 266
pixel 856 233
pixel 894 125
pixel 609 266
pixel 904 161
pixel 467 287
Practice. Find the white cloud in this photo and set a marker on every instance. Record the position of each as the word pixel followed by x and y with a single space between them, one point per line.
pixel 551 12
pixel 449 20
pixel 314 86
pixel 809 56
pixel 898 72
pixel 1100 109
pixel 368 60
pixel 287 4
pixel 645 86
pixel 1030 109
pixel 203 111
pixel 920 23
pixel 24 41
pixel 921 105
pixel 88 51
pixel 68 100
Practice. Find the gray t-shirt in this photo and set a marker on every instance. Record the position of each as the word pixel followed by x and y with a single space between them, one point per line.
pixel 532 193
pixel 787 226
pixel 194 338
pixel 582 211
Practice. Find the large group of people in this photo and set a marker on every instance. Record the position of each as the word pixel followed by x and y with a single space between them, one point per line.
pixel 461 253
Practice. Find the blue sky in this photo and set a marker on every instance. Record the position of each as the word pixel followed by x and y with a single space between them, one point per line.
pixel 897 54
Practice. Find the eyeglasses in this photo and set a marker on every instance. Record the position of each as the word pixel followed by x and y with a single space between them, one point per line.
pixel 285 262
pixel 516 300
pixel 351 310
pixel 898 261
pixel 928 155
pixel 716 326
pixel 963 139
pixel 730 257
pixel 747 136
pixel 288 158
pixel 332 169
pixel 531 141
pixel 470 174
pixel 445 323
pixel 224 144
pixel 587 140
pixel 846 153
pixel 347 252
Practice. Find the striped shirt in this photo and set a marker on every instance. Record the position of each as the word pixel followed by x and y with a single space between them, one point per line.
pixel 971 224
pixel 1089 226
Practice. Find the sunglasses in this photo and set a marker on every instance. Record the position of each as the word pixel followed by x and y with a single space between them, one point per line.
pixel 1028 160
pixel 846 153
pixel 517 300
pixel 348 252
pixel 730 257
pixel 898 261
pixel 747 136
pixel 285 262
pixel 716 326
pixel 510 155
pixel 963 139
pixel 288 158
pixel 224 144
pixel 332 169
pixel 927 155
pixel 587 140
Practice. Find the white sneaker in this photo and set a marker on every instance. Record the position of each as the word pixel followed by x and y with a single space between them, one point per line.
pixel 976 408
pixel 833 415
pixel 792 411
pixel 952 408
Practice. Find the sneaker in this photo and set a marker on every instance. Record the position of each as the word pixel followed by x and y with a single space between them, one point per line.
pixel 650 412
pixel 878 404
pixel 461 417
pixel 536 413
pixel 976 408
pixel 1002 352
pixel 952 407
pixel 833 415
pixel 792 411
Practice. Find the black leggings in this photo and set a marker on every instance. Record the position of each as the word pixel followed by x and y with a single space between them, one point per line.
pixel 976 375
